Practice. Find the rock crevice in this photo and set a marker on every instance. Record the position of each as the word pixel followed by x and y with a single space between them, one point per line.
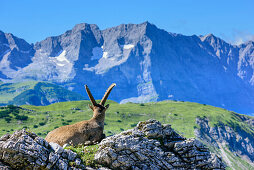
pixel 150 145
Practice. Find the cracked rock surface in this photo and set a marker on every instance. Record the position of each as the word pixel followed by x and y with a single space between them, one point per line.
pixel 25 150
pixel 151 145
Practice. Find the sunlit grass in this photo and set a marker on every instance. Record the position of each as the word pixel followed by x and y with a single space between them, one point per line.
pixel 181 115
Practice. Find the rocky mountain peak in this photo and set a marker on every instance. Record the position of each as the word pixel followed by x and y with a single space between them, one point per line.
pixel 84 27
pixel 209 36
pixel 156 64
pixel 247 44
pixel 15 42
pixel 213 40
pixel 80 27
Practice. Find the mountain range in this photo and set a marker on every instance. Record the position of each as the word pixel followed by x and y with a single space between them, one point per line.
pixel 146 63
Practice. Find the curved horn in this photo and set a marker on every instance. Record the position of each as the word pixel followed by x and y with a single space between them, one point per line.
pixel 104 99
pixel 90 95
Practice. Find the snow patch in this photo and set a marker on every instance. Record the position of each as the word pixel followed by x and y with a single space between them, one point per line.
pixel 170 95
pixel 127 46
pixel 61 65
pixel 62 57
pixel 61 61
pixel 105 55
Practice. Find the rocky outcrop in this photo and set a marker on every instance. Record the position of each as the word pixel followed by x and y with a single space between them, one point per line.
pixel 149 145
pixel 233 138
pixel 25 150
pixel 237 140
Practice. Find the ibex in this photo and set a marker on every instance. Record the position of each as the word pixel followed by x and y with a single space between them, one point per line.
pixel 87 131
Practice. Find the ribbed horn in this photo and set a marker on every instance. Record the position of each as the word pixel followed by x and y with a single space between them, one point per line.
pixel 90 96
pixel 104 99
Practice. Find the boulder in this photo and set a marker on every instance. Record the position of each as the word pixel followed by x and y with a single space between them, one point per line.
pixel 152 145
pixel 25 149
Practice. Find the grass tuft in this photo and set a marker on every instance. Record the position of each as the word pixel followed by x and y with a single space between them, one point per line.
pixel 86 153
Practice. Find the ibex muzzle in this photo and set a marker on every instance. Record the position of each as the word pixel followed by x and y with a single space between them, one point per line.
pixel 87 131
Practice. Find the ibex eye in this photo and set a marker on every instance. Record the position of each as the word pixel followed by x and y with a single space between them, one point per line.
pixel 89 128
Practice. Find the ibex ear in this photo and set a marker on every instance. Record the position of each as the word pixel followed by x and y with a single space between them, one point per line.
pixel 90 106
pixel 107 106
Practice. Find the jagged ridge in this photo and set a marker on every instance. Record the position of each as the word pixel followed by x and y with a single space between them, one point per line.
pixel 147 63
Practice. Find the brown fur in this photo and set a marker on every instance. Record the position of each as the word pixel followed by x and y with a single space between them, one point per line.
pixel 84 132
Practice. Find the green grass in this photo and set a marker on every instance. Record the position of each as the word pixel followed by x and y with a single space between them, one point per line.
pixel 8 91
pixel 236 161
pixel 36 93
pixel 181 115
pixel 119 117
pixel 86 153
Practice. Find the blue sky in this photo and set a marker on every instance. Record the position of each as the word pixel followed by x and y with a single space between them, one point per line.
pixel 34 20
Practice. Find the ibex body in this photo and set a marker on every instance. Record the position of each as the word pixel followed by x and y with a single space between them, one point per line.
pixel 84 132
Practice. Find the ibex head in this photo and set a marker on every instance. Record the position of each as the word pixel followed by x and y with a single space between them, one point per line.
pixel 86 131
pixel 99 109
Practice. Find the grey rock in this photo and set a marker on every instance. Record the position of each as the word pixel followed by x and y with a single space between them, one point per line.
pixel 71 155
pixel 146 150
pixel 57 148
pixel 66 145
pixel 236 140
pixel 149 61
pixel 53 157
pixel 62 164
pixel 78 161
pixel 26 149
pixel 5 137
pixel 150 145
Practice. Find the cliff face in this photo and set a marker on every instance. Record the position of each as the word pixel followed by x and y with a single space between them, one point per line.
pixel 15 54
pixel 149 145
pixel 233 143
pixel 147 64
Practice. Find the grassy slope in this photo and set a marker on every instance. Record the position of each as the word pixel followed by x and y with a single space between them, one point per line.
pixel 10 90
pixel 35 93
pixel 119 117
pixel 181 115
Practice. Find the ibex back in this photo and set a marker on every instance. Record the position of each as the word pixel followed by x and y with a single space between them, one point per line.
pixel 87 131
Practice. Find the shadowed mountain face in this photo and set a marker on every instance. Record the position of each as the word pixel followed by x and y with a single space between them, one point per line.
pixel 146 63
